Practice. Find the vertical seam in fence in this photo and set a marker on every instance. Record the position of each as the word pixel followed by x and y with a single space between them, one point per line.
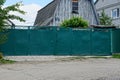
pixel 111 40
pixel 71 52
pixel 14 40
pixel 91 43
pixel 55 45
pixel 28 44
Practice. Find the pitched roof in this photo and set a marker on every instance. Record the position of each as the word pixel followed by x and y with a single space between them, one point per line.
pixel 46 12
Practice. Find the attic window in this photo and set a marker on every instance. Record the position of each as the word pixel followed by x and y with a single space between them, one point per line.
pixel 75 6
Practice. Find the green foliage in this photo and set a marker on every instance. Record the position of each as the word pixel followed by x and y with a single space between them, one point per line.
pixel 4 61
pixel 105 19
pixel 3 38
pixel 75 22
pixel 116 56
pixel 2 2
pixel 1 55
pixel 5 13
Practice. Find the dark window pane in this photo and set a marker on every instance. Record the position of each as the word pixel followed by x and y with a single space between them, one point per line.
pixel 74 6
pixel 117 12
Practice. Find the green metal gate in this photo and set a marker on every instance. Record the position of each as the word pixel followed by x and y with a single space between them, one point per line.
pixel 101 42
pixel 63 41
pixel 58 41
pixel 81 44
pixel 116 41
pixel 42 42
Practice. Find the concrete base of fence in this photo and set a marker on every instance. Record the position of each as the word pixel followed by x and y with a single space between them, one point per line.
pixel 34 58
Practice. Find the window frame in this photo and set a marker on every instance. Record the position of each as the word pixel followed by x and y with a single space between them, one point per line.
pixel 75 6
pixel 117 13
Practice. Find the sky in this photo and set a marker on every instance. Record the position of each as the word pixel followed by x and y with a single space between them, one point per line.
pixel 30 7
pixel 26 2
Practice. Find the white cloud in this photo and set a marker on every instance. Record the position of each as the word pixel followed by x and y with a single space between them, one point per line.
pixel 31 12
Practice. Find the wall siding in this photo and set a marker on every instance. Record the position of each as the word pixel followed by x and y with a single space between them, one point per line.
pixel 102 3
pixel 64 11
pixel 108 6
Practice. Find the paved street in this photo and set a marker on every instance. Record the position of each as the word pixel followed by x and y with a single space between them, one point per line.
pixel 86 69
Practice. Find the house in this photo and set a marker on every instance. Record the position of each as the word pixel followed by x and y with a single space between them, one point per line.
pixel 59 10
pixel 111 8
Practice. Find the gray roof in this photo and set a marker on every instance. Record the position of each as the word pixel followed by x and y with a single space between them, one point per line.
pixel 46 12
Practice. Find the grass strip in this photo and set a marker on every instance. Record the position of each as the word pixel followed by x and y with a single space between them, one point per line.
pixel 4 61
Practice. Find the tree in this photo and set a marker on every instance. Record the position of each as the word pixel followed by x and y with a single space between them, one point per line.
pixel 75 22
pixel 6 17
pixel 105 19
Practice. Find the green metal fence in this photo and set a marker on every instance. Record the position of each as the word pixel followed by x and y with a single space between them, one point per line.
pixel 58 41
pixel 115 41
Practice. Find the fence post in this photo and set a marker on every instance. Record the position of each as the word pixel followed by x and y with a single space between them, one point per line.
pixel 91 43
pixel 29 44
pixel 111 40
pixel 55 44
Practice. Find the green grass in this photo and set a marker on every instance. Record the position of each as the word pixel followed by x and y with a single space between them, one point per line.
pixel 4 61
pixel 116 56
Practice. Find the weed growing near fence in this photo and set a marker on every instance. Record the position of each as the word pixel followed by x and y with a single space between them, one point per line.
pixel 4 61
pixel 116 56
pixel 1 55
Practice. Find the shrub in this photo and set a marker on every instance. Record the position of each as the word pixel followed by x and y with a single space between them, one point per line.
pixel 105 19
pixel 1 55
pixel 75 22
